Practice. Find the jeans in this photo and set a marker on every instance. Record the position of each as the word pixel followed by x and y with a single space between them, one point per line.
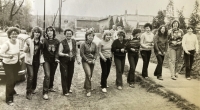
pixel 32 72
pixel 67 71
pixel 158 70
pixel 119 63
pixel 146 55
pixel 11 71
pixel 133 59
pixel 49 71
pixel 189 60
pixel 88 68
pixel 174 57
pixel 105 68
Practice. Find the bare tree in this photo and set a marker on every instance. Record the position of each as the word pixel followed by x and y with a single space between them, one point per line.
pixel 12 11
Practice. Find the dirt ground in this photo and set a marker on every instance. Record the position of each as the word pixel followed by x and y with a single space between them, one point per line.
pixel 127 99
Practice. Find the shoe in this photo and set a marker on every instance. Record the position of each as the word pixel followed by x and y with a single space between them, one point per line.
pixel 104 90
pixel 119 87
pixel 188 78
pixel 11 103
pixel 176 75
pixel 52 90
pixel 67 94
pixel 29 97
pixel 15 94
pixel 88 94
pixel 107 86
pixel 70 91
pixel 45 97
pixel 159 78
pixel 174 78
pixel 33 92
pixel 132 86
pixel 146 77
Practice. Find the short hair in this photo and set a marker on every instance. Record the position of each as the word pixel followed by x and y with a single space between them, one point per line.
pixel 160 33
pixel 17 26
pixel 121 33
pixel 148 25
pixel 136 31
pixel 12 29
pixel 88 33
pixel 36 29
pixel 190 26
pixel 174 22
pixel 65 31
pixel 54 32
pixel 106 33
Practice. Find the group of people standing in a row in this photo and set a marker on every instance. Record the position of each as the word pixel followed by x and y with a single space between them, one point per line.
pixel 49 51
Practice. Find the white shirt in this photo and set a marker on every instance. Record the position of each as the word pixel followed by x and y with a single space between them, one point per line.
pixel 190 42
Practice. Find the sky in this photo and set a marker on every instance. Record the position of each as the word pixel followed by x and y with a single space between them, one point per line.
pixel 103 8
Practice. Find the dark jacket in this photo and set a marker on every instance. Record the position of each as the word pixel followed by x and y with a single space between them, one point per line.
pixel 117 46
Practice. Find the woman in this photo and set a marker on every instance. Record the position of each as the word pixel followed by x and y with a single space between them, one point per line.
pixel 105 58
pixel 133 55
pixel 50 52
pixel 67 55
pixel 32 48
pixel 10 52
pixel 160 48
pixel 190 47
pixel 118 48
pixel 146 47
pixel 88 52
pixel 175 49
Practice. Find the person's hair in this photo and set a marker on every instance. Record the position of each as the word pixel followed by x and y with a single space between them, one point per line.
pixel 11 29
pixel 174 22
pixel 136 31
pixel 121 33
pixel 65 31
pixel 190 26
pixel 160 33
pixel 54 32
pixel 36 29
pixel 106 33
pixel 17 26
pixel 88 33
pixel 148 25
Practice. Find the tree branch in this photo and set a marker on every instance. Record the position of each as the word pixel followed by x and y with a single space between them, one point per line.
pixel 18 8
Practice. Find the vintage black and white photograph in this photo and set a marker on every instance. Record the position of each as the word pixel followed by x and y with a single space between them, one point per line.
pixel 99 54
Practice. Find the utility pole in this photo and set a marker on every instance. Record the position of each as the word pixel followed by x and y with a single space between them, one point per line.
pixel 44 16
pixel 60 5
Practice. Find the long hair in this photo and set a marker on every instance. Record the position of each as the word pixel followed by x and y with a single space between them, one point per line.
pixel 36 29
pixel 162 34
pixel 54 32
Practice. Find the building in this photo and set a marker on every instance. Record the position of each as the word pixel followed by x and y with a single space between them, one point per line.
pixel 134 20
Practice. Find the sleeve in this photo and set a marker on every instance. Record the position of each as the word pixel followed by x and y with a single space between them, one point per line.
pixel 183 43
pixel 56 54
pixel 156 43
pixel 142 41
pixel 166 45
pixel 60 50
pixel 26 48
pixel 82 50
pixel 99 48
pixel 96 51
pixel 113 47
pixel 4 48
pixel 197 44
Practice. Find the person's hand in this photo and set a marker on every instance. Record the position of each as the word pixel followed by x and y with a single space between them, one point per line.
pixel 93 61
pixel 90 62
pixel 78 62
pixel 164 53
pixel 160 53
pixel 132 49
pixel 122 50
pixel 20 61
pixel 57 61
pixel 187 52
pixel 91 56
pixel 197 52
pixel 10 56
pixel 104 59
pixel 66 55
